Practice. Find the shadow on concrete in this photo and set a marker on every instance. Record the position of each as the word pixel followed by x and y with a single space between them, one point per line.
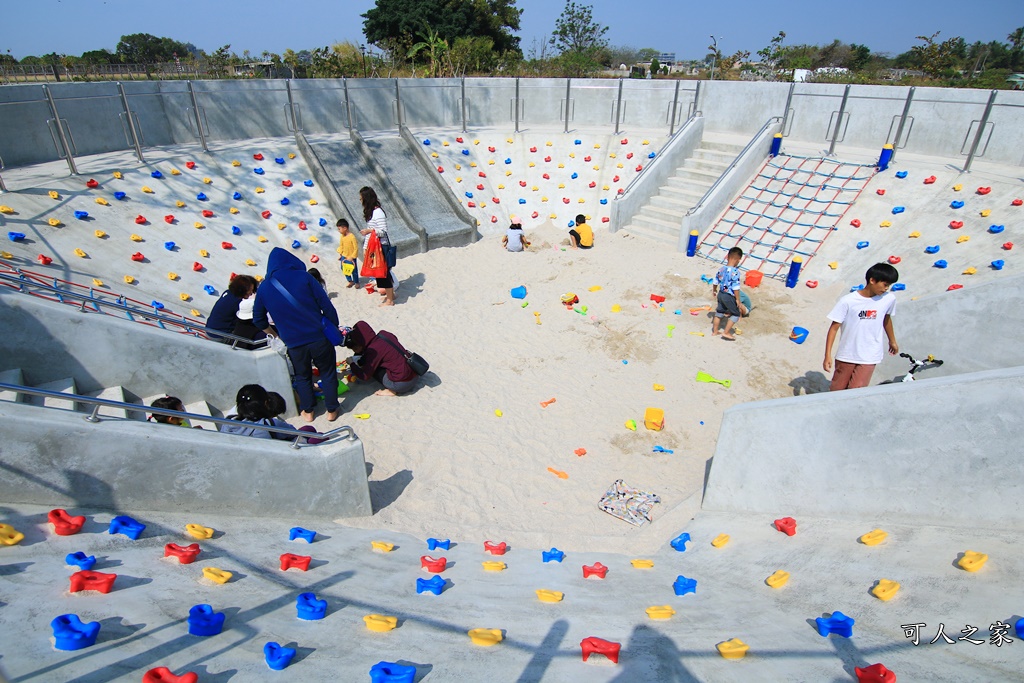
pixel 813 382
pixel 116 628
pixel 384 493
pixel 545 653
pixel 652 656
pixel 410 287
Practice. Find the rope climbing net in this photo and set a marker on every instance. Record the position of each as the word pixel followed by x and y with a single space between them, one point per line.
pixel 788 209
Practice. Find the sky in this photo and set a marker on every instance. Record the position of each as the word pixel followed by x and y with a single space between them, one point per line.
pixel 37 27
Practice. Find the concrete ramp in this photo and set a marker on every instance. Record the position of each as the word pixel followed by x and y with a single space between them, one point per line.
pixel 939 451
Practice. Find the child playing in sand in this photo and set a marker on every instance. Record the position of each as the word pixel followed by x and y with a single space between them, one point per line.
pixel 861 318
pixel 514 240
pixel 582 237
pixel 348 249
pixel 726 287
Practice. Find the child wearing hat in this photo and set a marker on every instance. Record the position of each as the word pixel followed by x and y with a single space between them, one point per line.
pixel 514 240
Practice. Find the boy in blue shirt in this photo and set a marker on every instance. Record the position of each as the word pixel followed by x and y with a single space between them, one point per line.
pixel 726 287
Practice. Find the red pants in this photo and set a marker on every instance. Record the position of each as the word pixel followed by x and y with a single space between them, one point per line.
pixel 850 376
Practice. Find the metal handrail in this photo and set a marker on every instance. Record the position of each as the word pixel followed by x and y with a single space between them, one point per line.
pixel 732 165
pixel 658 156
pixel 98 403
pixel 187 325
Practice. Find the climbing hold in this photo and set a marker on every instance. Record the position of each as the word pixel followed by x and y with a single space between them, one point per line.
pixel 99 200
pixel 494 566
pixel 596 570
pixel 997 264
pixel 970 271
pixel 277 657
pixel 934 249
pixel 199 531
pixel 138 257
pixel 811 284
pixel 185 297
pixel 162 674
pixel 433 585
pixel 838 624
pixel 80 560
pixel 218 576
pixel 733 648
pixel 120 196
pixel 309 608
pixel 929 180
pixel 876 673
pixel 956 204
pixel 985 212
pixel 201 197
pixel 901 174
pixel 140 220
pixel 63 523
pixel 545 595
pixel 123 524
pixel 962 238
pixel 296 244
pixel 80 253
pixel 898 209
pixel 880 192
pixel 97 283
pixel 972 561
pixel 914 234
pixel 207 213
pixel 156 174
pixel 958 187
pixel 203 621
pixel 995 229
pixel 70 633
pixel 81 215
pixel 15 236
pixel 55 222
pixel 885 589
pixel 435 543
pixel 432 565
pixel 9 535
pixel 381 546
pixel 720 540
pixel 495 548
pixel 862 245
pixel 873 537
pixel 226 245
pixel 197 267
pixel 894 260
pixel 285 201
pixel 786 525
pixel 258 171
pixel 885 224
pixel 683 585
pixel 954 286
pixel 88 580
pixel 290 561
pixel 660 612
pixel 135 238
pixel 940 264
pixel 186 554
pixel 983 190
pixel 553 555
pixel 591 645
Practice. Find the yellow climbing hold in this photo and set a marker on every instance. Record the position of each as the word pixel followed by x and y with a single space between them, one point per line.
pixel 207 180
pixel 9 535
pixel 380 623
pixel 458 167
pixel 646 142
pixel 128 279
pixel 914 234
pixel 958 187
pixel 9 210
pixel 97 283
pixel 184 297
pixel 100 234
pixel 259 190
pixel 597 168
pixel 642 564
pixel 233 210
pixel 545 595
pixel 261 238
pixel 445 143
pixel 508 140
pixel 962 238
pixel 434 154
pixel 985 213
pixel 196 313
pixel 250 262
pixel 485 637
pixel 497 412
pixel 472 164
pixel 532 165
pixel 501 187
pixel 198 531
pixel 873 537
pixel 972 561
pixel 552 216
pixel 136 238
pixel 582 200
pixel 313 202
pixel 175 171
pixel 494 566
pixel 79 253
pixel 606 188
pixel 55 222
pixel 236 163
pixel 381 546
pixel 561 186
pixel 885 224
pixel 833 265
pixel 720 540
pixel 733 649
pixel 885 589
pixel 118 175
pixel 291 155
pixel 777 579
pixel 102 202
pixel 660 611
pixel 198 225
pixel 458 179
pixel 172 276
pixel 618 165
pixel 561 166
pixel 970 271
pixel 220 576
pixel 282 226
pixel 147 189
pixel 572 155
pixel 204 253
pixel 314 239
pixel 180 204
pixel 54 194
pixel 6 254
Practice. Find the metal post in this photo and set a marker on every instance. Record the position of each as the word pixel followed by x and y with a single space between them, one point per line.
pixel 131 123
pixel 696 99
pixel 568 92
pixel 789 105
pixel 463 104
pixel 839 121
pixel 348 102
pixel 516 103
pixel 291 107
pixel 903 122
pixel 981 130
pixel 60 131
pixel 398 105
pixel 675 106
pixel 618 108
pixel 199 120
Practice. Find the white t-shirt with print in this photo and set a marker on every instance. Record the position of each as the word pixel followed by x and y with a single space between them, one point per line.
pixel 862 337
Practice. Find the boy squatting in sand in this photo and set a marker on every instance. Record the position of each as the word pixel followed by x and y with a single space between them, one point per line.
pixel 861 318
pixel 726 287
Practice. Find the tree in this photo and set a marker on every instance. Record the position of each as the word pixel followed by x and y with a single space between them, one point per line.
pixel 655 66
pixel 771 57
pixel 98 57
pixel 646 54
pixel 727 62
pixel 394 24
pixel 143 48
pixel 579 39
pixel 935 58
pixel 472 54
pixel 221 58
pixel 435 47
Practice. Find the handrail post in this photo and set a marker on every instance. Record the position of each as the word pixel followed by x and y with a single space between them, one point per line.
pixel 516 103
pixel 839 121
pixel 60 131
pixel 789 104
pixel 618 108
pixel 675 108
pixel 291 107
pixel 696 98
pixel 195 112
pixel 463 104
pixel 568 92
pixel 131 123
pixel 348 102
pixel 903 122
pixel 398 105
pixel 981 131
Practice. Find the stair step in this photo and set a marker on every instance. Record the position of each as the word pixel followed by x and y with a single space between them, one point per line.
pixel 672 214
pixel 709 165
pixel 658 224
pixel 713 155
pixel 690 194
pixel 201 408
pixel 64 386
pixel 111 394
pixel 722 147
pixel 13 376
pixel 688 174
pixel 652 235
pixel 671 201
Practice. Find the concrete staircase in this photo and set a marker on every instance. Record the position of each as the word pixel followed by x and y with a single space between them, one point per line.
pixel 659 219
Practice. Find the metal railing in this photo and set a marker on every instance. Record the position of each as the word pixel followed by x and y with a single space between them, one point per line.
pixel 732 165
pixel 657 158
pixel 92 301
pixel 97 403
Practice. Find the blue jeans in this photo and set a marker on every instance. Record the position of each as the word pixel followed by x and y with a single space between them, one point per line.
pixel 354 277
pixel 321 354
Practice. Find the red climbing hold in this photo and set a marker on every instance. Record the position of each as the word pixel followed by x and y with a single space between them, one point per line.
pixel 496 200
pixel 459 140
pixel 92 581
pixel 522 183
pixel 440 169
pixel 547 159
pixel 639 168
pixel 169 218
pixel 138 257
pixel 140 219
pixel 197 266
pixel 929 180
pixel 92 184
pixel 786 525
pixel 535 214
pixel 605 219
pixel 811 284
pixel 597 569
pixel 490 149
pixel 494 219
pixel 1017 202
pixel 226 245
pixel 876 673
pixel 952 287
pixel 434 566
pixel 894 260
pixel 314 259
pixel 207 213
pixel 482 174
pixel 533 149
pixel 43 259
pixel 257 157
pixel 956 225
pixel 190 165
pixel 290 561
pixel 880 192
pixel 565 200
pixel 629 156
pixel 586 159
pixel 615 179
pixel 162 674
pixel 480 186
pixel 590 645
pixel 592 184
pixel 471 205
pixel 1007 246
pixel 186 554
pixel 495 548
pixel 624 141
pixel 546 176
pixel 286 183
pixel 63 523
pixel 302 225
pixel 855 222
pixel 266 214
pixel 984 190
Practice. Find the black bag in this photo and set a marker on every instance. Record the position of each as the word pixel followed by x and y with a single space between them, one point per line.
pixel 391 255
pixel 418 364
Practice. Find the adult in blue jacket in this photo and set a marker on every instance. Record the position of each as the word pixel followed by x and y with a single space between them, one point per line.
pixel 299 328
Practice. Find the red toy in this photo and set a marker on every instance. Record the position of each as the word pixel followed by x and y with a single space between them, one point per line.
pixel 92 184
pixel 433 566
pixel 190 165
pixel 597 569
pixel 876 673
pixel 658 299
pixel 266 214
pixel 162 674
pixel 495 548
pixel 63 523
pixel 289 561
pixel 186 554
pixel 44 259
pixel 169 218
pixel 140 219
pixel 602 647
pixel 786 525
pixel 207 213
pixel 197 266
pixel 956 225
pixel 92 581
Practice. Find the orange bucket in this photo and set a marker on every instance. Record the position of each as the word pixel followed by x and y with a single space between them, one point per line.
pixel 753 278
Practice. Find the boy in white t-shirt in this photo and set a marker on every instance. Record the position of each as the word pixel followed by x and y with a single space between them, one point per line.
pixel 863 320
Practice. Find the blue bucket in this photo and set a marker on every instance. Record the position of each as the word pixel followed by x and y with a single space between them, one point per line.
pixel 798 335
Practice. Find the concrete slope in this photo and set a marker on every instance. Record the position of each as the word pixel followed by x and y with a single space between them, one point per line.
pixel 940 451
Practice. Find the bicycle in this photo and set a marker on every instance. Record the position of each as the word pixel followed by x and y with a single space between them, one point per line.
pixel 916 366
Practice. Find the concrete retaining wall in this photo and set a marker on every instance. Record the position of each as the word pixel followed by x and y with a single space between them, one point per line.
pixel 56 458
pixel 939 451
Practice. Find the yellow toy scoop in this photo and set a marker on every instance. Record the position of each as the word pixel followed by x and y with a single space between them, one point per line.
pixel 705 377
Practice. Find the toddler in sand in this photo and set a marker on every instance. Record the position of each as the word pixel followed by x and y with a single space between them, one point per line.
pixel 348 249
pixel 514 240
pixel 726 287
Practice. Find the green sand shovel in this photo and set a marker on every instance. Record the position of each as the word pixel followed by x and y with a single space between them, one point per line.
pixel 705 377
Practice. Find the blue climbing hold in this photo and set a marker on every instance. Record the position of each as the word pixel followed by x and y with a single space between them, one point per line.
pixel 680 541
pixel 279 160
pixel 604 201
pixel 856 288
pixel 508 161
pixel 390 672
pixel 661 449
pixel 1019 628
pixel 296 244
pixel 157 305
pixel 15 236
pixel 435 543
pixel 278 657
pixel 434 585
pixel 122 524
pixel 572 224
pixel 236 196
pixel 323 222
pixel 465 152
pixel 201 197
pixel 862 245
pixel 940 264
pixel 235 230
pixel 574 176
pixel 309 608
pixel 156 174
pixel 934 249
pixel 956 204
pixel 298 533
pixel 469 195
pixel 70 633
pixel 901 174
pixel 307 183
pixel 651 155
pixel 203 621
pixel 169 246
pixel 285 201
pixel 998 265
pixel 427 142
pixel 994 229
pixel 209 289
pixel 838 623
pixel 522 201
pixel 553 555
pixel 80 560
pixel 683 585
pixel 577 142
pixel 119 195
pixel 81 215
pixel 898 209
pixel 898 287
pixel 258 171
